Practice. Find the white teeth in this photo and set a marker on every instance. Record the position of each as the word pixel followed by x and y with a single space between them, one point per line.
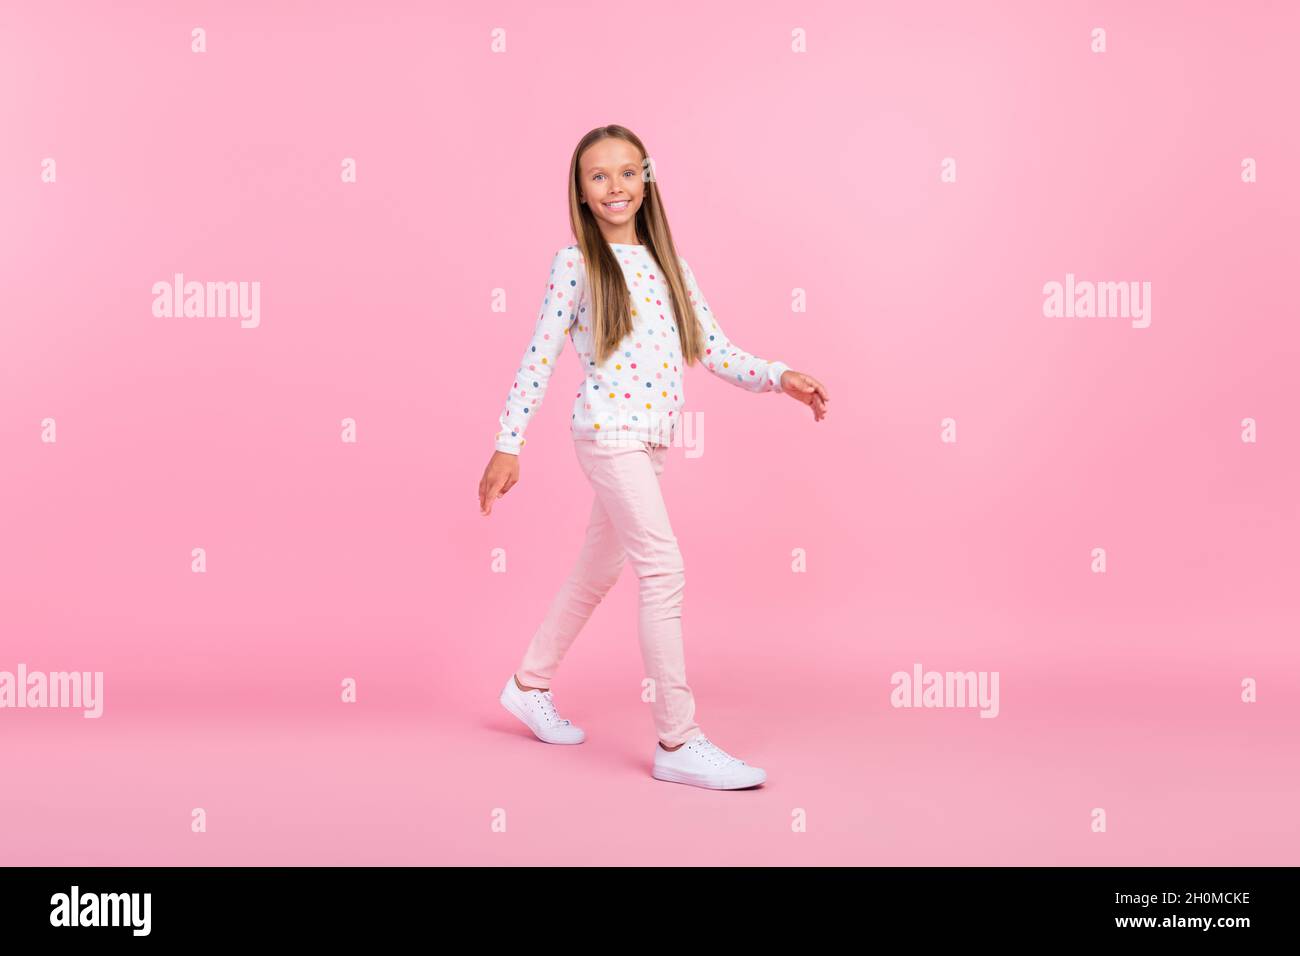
pixel 616 205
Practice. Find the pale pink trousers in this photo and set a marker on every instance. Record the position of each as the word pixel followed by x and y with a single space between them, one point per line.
pixel 629 522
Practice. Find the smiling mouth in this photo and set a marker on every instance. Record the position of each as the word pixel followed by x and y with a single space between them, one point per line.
pixel 616 206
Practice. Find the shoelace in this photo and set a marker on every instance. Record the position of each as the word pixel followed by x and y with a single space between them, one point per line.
pixel 711 752
pixel 549 713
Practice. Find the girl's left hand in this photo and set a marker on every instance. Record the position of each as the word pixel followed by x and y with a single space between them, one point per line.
pixel 806 389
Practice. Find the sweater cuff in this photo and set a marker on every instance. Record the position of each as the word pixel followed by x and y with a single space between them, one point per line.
pixel 774 372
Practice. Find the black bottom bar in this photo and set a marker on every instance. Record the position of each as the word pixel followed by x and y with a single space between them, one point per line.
pixel 334 905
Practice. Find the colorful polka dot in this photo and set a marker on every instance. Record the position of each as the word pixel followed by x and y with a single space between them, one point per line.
pixel 601 404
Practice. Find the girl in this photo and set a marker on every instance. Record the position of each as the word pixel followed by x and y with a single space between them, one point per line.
pixel 617 294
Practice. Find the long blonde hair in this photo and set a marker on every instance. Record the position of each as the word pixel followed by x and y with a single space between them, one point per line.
pixel 608 298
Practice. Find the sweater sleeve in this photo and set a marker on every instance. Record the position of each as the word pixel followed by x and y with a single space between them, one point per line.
pixel 564 289
pixel 723 357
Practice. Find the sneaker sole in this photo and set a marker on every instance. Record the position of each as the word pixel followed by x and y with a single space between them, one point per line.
pixel 509 705
pixel 677 776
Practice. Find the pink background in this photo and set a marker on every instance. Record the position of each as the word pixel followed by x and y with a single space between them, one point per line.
pixel 817 171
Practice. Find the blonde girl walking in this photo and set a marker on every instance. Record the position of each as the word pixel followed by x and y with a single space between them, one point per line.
pixel 617 294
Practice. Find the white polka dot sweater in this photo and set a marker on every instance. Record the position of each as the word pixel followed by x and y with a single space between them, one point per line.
pixel 637 392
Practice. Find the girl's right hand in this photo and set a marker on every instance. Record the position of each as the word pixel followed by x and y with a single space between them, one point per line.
pixel 500 475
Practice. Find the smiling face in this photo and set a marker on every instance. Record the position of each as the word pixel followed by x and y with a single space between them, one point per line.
pixel 609 174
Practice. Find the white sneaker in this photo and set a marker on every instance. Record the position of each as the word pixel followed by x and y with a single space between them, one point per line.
pixel 702 763
pixel 536 708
